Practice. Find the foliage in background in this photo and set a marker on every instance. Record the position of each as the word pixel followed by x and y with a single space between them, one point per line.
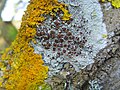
pixel 8 31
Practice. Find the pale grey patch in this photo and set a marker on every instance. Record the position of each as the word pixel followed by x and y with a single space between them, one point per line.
pixel 88 15
pixel 94 85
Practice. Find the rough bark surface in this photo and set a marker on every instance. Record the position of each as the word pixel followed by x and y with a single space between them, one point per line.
pixel 106 69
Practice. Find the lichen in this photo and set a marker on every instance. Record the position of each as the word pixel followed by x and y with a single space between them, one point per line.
pixel 115 3
pixel 76 41
pixel 22 68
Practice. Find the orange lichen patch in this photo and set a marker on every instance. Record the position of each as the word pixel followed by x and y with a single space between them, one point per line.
pixel 26 67
pixel 24 73
pixel 22 68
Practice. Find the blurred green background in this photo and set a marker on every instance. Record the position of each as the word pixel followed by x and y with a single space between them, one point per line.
pixel 11 12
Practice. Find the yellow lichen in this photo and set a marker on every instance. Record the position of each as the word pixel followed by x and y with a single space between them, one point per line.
pixel 115 3
pixel 22 68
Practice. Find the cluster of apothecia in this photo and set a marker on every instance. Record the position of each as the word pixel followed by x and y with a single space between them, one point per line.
pixel 58 35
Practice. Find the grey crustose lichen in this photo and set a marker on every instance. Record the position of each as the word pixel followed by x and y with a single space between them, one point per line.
pixel 75 41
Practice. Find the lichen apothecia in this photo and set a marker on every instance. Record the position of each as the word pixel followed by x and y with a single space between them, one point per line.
pixel 22 68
